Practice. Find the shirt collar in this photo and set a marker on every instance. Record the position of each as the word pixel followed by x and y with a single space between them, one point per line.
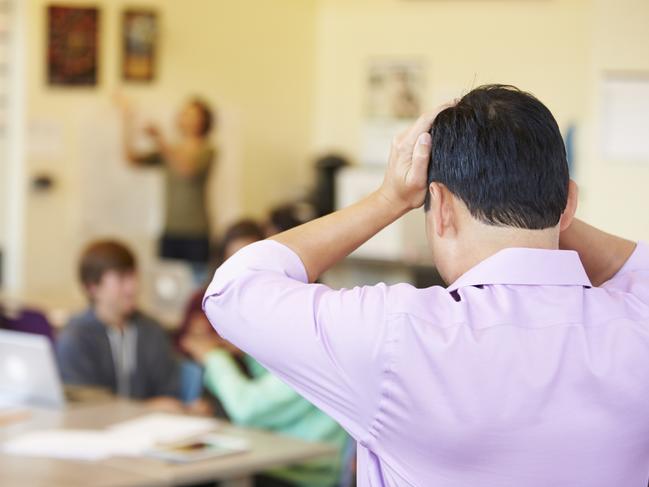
pixel 527 267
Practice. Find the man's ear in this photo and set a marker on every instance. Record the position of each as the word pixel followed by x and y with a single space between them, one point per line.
pixel 571 206
pixel 442 212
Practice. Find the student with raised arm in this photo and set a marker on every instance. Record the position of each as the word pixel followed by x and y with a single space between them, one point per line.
pixel 522 372
pixel 186 163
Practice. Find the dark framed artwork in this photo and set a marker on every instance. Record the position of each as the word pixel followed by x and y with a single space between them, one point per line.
pixel 139 45
pixel 72 46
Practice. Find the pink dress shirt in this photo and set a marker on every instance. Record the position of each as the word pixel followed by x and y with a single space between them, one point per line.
pixel 520 374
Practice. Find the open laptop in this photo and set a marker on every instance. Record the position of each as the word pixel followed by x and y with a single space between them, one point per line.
pixel 28 372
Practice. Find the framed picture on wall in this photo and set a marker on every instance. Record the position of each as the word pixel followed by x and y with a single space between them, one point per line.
pixel 72 46
pixel 139 45
pixel 394 92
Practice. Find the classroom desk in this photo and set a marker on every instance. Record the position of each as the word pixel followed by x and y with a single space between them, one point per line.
pixel 266 451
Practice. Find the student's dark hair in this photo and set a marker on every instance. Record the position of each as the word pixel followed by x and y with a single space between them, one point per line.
pixel 209 119
pixel 287 216
pixel 245 228
pixel 500 151
pixel 103 256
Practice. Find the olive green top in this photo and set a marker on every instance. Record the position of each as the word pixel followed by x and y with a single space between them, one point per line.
pixel 185 205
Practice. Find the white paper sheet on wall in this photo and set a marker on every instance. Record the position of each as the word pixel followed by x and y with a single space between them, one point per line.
pixel 46 139
pixel 116 199
pixel 624 116
pixel 353 184
pixel 376 139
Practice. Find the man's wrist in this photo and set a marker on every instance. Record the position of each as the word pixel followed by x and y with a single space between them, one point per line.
pixel 395 206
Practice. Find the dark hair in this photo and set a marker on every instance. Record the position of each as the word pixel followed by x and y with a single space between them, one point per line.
pixel 194 306
pixel 290 215
pixel 103 256
pixel 245 228
pixel 500 151
pixel 207 114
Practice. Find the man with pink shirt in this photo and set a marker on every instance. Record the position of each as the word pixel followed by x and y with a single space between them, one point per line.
pixel 530 370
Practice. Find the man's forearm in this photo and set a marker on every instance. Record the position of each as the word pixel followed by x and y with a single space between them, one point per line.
pixel 325 241
pixel 602 254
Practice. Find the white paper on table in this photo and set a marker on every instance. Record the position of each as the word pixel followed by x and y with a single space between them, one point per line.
pixel 164 428
pixel 129 438
pixel 76 444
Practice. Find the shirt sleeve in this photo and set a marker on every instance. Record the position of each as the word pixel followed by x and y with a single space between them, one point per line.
pixel 633 277
pixel 329 345
pixel 262 402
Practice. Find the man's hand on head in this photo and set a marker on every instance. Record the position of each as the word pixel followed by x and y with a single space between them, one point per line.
pixel 325 241
pixel 406 178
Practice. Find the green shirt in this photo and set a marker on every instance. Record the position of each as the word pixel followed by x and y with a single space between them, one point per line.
pixel 265 402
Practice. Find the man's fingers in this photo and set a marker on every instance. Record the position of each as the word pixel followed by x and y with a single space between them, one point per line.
pixel 425 122
pixel 404 145
pixel 422 147
pixel 423 125
pixel 418 174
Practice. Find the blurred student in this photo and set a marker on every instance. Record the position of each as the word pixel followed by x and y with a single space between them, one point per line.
pixel 186 164
pixel 112 344
pixel 287 216
pixel 237 236
pixel 261 400
pixel 253 397
pixel 194 324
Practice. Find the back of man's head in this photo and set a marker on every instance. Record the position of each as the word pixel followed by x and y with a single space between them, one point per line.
pixel 500 151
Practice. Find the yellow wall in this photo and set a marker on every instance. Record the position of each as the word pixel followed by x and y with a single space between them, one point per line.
pixel 556 49
pixel 616 193
pixel 287 77
pixel 252 59
pixel 542 47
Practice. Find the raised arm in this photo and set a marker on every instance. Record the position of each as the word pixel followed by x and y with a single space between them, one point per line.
pixel 323 242
pixel 330 345
pixel 602 254
pixel 128 129
pixel 130 153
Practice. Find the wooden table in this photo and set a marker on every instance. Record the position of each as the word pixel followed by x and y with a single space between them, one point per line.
pixel 266 451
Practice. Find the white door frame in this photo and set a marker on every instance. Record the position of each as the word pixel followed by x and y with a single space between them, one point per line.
pixel 15 187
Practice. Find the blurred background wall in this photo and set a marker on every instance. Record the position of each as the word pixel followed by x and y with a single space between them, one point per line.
pixel 253 60
pixel 287 78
